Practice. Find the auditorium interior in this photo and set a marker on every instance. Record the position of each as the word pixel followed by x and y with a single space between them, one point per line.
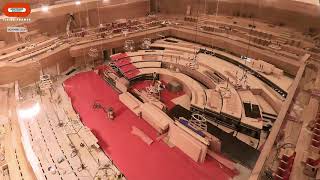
pixel 160 90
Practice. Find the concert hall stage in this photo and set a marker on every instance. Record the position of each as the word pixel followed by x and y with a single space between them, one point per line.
pixel 134 158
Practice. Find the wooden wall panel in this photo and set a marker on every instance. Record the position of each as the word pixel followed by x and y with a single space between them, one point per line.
pixel 54 22
pixel 26 73
pixel 292 13
pixel 111 13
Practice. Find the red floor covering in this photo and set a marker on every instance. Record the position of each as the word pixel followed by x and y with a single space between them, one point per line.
pixel 166 95
pixel 134 158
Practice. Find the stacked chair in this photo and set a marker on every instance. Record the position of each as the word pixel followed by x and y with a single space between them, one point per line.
pixel 312 161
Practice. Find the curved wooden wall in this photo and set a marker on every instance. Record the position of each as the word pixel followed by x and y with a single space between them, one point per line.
pixel 291 13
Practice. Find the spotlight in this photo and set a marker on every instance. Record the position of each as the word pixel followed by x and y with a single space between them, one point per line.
pixel 78 2
pixel 29 112
pixel 45 8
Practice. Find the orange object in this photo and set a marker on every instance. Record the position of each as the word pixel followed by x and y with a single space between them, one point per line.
pixel 15 9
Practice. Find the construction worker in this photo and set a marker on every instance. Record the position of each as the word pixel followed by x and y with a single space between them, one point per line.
pixel 110 113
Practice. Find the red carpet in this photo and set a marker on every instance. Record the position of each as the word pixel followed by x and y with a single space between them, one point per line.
pixel 134 158
pixel 166 95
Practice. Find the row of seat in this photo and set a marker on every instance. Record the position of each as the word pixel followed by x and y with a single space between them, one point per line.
pixel 199 99
pixel 147 66
pixel 60 151
pixel 114 29
pixel 11 165
pixel 153 60
pixel 190 19
pixel 312 161
pixel 195 97
pixel 89 152
pixel 260 41
pixel 40 147
pixel 257 37
pixel 124 64
pixel 284 169
pixel 223 113
pixel 25 50
pixel 19 173
pixel 213 29
pixel 260 34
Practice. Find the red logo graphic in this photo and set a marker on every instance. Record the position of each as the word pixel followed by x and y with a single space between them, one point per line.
pixel 15 9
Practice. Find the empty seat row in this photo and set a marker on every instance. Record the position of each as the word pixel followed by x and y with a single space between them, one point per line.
pixel 312 161
pixel 190 19
pixel 261 34
pixel 315 141
pixel 285 166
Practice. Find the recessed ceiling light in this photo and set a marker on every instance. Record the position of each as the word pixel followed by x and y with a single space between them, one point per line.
pixel 78 2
